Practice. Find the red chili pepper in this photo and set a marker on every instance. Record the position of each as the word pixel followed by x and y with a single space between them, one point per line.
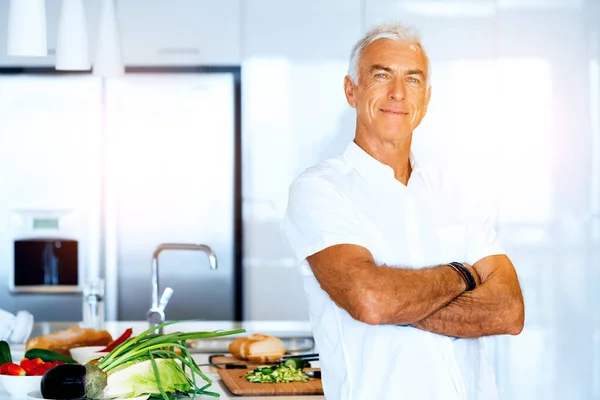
pixel 128 332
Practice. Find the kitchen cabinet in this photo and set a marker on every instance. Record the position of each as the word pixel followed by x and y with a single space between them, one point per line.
pixel 92 10
pixel 306 30
pixel 180 32
pixel 153 32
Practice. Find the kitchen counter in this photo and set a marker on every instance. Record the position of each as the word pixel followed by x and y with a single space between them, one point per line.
pixel 283 329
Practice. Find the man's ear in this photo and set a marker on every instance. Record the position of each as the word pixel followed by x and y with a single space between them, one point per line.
pixel 349 91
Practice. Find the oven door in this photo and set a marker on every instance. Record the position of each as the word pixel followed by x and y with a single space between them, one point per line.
pixel 45 265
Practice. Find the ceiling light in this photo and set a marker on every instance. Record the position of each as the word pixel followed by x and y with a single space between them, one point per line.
pixel 109 57
pixel 27 28
pixel 72 53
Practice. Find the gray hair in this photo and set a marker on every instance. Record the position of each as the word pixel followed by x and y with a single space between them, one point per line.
pixel 393 31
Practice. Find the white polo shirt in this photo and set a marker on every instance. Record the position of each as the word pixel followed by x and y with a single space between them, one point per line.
pixel 355 199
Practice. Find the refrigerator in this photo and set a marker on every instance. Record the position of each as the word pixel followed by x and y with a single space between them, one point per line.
pixel 161 164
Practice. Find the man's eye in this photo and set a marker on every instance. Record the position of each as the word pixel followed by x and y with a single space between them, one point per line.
pixel 380 75
pixel 412 79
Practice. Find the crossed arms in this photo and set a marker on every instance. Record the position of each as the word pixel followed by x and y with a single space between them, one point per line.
pixel 433 299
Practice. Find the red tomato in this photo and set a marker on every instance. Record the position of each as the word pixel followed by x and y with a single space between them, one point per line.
pixel 38 372
pixel 37 361
pixel 4 368
pixel 27 365
pixel 16 370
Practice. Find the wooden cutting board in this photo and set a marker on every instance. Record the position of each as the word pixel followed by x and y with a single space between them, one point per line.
pixel 237 384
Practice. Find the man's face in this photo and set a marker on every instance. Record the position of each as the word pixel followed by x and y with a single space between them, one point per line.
pixel 391 97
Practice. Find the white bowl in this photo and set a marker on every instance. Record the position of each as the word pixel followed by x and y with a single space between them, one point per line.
pixel 84 354
pixel 19 386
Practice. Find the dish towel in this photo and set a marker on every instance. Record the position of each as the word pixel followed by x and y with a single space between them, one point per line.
pixel 15 329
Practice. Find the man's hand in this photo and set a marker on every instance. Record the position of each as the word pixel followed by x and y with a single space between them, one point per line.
pixel 495 307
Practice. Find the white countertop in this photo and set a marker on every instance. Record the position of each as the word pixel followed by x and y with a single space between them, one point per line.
pixel 276 328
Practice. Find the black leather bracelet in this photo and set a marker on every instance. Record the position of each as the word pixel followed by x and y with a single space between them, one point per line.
pixel 460 273
pixel 465 274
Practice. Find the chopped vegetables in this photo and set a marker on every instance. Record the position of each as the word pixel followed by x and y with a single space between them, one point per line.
pixel 296 363
pixel 276 374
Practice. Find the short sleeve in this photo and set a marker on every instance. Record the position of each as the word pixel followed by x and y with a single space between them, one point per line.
pixel 482 239
pixel 319 216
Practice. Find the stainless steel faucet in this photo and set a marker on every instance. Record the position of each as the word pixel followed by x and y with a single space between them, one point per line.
pixel 156 313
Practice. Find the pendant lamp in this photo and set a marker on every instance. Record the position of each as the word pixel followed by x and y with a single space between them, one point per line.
pixel 72 53
pixel 109 57
pixel 27 28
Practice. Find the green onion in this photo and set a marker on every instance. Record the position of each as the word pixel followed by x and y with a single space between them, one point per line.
pixel 150 346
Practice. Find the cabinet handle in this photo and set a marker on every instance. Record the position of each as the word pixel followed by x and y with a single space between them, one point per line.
pixel 170 51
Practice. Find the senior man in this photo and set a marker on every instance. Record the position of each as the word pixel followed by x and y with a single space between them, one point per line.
pixel 403 272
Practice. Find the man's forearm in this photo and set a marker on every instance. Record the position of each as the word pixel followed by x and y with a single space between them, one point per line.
pixel 402 296
pixel 491 309
pixel 376 294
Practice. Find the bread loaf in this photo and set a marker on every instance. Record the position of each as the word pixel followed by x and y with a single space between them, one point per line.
pixel 63 341
pixel 257 348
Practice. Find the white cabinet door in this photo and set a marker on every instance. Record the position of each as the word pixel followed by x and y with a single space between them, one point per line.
pixel 153 32
pixel 180 32
pixel 92 9
pixel 302 30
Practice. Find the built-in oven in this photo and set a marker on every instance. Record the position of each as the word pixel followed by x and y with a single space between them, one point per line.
pixel 46 259
pixel 45 265
pixel 46 252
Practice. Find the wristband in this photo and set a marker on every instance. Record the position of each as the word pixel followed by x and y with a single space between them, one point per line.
pixel 465 274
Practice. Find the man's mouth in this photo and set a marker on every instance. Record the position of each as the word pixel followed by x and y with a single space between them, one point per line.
pixel 393 111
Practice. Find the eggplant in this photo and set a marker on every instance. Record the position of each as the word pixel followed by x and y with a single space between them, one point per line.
pixel 73 381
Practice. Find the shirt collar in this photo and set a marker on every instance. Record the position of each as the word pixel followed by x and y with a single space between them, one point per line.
pixel 365 164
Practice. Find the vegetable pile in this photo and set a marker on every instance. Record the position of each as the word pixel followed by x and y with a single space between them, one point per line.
pixel 152 364
pixel 28 366
pixel 276 374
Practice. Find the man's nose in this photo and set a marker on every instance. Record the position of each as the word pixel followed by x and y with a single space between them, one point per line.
pixel 397 89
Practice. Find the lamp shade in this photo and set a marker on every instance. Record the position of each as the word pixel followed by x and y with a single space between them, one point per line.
pixel 27 28
pixel 72 53
pixel 109 57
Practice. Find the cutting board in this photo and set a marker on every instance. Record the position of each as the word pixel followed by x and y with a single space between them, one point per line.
pixel 237 384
